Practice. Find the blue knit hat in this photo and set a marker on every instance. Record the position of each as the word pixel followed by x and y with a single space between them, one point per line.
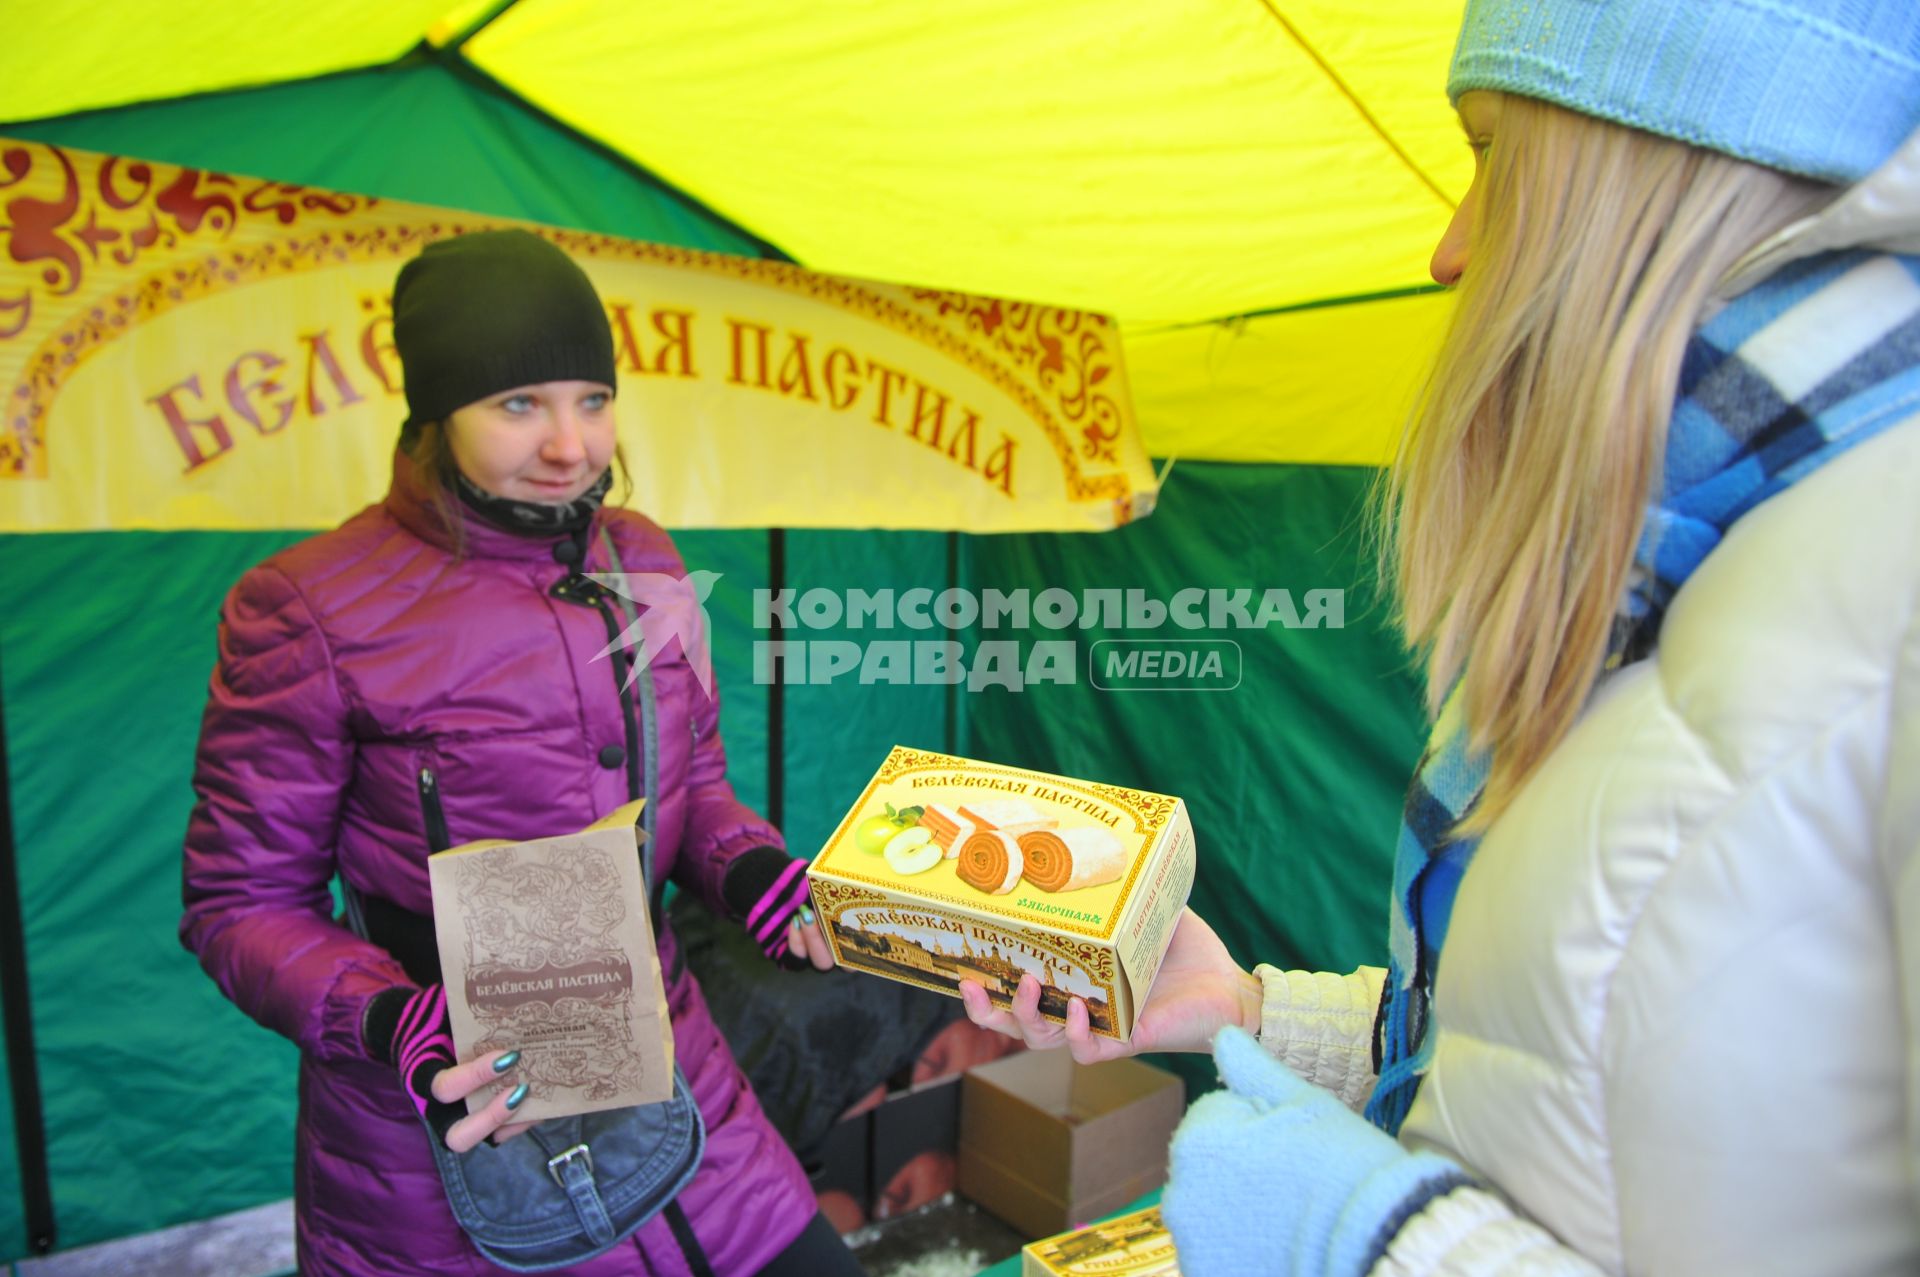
pixel 1824 88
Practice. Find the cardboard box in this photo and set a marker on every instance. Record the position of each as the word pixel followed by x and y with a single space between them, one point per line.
pixel 1047 1144
pixel 1136 1244
pixel 947 869
pixel 897 1148
pixel 915 1137
pixel 892 1158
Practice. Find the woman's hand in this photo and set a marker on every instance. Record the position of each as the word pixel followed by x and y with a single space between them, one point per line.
pixel 806 940
pixel 1276 1175
pixel 451 1086
pixel 409 1029
pixel 768 890
pixel 1199 991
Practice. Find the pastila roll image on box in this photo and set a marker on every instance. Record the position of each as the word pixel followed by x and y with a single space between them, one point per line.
pixel 949 868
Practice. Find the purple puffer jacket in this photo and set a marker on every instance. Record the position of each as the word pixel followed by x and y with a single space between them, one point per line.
pixel 350 662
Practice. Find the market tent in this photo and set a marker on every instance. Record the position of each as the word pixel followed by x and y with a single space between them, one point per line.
pixel 1250 187
pixel 1169 163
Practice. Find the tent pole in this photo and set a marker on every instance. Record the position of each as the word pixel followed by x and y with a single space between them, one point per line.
pixel 951 742
pixel 776 690
pixel 29 1130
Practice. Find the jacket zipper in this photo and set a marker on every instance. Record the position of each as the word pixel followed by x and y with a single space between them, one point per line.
pixel 625 657
pixel 580 588
pixel 656 891
pixel 432 813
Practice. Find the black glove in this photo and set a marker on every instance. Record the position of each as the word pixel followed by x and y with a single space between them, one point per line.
pixel 765 888
pixel 408 1028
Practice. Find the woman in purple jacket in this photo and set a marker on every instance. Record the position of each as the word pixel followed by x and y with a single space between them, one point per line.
pixel 426 673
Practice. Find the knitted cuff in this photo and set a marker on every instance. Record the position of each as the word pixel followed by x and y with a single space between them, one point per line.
pixel 1320 1025
pixel 407 1028
pixel 765 888
pixel 1385 1200
pixel 380 1019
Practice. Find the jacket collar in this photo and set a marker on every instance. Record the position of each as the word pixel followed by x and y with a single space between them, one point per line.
pixel 410 502
pixel 1880 211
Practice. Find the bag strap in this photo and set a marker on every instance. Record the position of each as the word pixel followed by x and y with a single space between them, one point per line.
pixel 649 740
pixel 677 1222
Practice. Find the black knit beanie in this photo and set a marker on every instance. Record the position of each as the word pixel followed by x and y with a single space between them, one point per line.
pixel 481 313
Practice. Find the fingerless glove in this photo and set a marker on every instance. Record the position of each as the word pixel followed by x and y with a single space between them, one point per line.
pixel 408 1028
pixel 765 888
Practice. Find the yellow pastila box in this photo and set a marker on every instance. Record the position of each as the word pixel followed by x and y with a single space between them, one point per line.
pixel 949 869
pixel 1135 1245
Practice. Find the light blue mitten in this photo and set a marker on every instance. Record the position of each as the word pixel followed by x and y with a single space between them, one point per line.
pixel 1275 1176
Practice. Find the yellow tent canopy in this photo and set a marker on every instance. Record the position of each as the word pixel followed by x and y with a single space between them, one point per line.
pixel 1176 163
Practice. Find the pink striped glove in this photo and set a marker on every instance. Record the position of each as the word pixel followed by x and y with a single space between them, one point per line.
pixel 767 889
pixel 408 1028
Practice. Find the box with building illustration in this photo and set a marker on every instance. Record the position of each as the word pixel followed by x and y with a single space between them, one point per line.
pixel 948 869
pixel 1132 1245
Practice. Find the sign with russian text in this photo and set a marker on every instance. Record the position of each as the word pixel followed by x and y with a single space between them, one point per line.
pixel 188 349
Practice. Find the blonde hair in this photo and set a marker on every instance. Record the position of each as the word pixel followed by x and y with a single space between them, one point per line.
pixel 432 455
pixel 1510 516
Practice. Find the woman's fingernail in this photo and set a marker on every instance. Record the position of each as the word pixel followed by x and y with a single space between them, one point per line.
pixel 806 916
pixel 506 1061
pixel 519 1094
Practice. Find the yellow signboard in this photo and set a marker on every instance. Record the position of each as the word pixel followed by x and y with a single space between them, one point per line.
pixel 188 349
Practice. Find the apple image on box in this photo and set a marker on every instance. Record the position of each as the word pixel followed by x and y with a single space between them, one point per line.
pixel 874 833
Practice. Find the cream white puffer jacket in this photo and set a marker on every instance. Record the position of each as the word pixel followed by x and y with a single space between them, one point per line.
pixel 1679 1005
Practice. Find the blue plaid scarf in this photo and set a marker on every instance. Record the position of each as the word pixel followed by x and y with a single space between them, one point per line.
pixel 1788 376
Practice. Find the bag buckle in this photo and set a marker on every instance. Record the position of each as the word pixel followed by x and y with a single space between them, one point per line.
pixel 560 1159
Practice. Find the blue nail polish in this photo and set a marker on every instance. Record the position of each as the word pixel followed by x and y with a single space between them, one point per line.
pixel 519 1094
pixel 506 1062
pixel 806 916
